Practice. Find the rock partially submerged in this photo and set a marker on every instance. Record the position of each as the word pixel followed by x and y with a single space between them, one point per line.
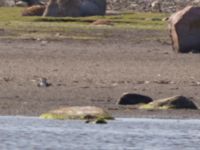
pixel 176 102
pixel 76 112
pixel 96 121
pixel 134 99
pixel 184 27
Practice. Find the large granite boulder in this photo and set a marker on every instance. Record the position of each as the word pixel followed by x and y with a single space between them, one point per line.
pixel 134 99
pixel 76 112
pixel 75 8
pixel 184 27
pixel 176 102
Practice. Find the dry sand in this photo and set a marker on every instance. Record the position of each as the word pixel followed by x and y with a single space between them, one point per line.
pixel 96 72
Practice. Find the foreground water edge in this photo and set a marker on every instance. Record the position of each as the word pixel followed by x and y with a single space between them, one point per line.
pixel 122 133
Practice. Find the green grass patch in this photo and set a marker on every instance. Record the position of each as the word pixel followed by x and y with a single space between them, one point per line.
pixel 20 26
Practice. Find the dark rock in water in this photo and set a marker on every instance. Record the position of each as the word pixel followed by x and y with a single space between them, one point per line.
pixel 96 121
pixel 100 121
pixel 176 102
pixel 184 28
pixel 133 99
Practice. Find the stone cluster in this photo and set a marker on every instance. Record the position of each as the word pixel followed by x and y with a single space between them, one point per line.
pixel 150 5
pixel 136 5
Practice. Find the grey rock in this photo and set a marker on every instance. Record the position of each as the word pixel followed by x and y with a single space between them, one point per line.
pixel 43 82
pixel 150 5
pixel 75 8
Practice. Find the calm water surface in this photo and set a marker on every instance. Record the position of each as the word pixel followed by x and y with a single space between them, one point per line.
pixel 28 133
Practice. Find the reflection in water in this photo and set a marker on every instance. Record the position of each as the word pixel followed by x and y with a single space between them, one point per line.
pixel 25 133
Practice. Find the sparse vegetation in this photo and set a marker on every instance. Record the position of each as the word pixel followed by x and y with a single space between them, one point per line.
pixel 39 27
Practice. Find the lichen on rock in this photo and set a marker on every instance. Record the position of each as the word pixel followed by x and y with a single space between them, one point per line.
pixel 176 102
pixel 77 112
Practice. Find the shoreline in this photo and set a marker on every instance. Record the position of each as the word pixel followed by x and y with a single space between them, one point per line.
pixel 95 73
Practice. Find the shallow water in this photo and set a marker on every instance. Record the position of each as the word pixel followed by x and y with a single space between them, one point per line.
pixel 28 133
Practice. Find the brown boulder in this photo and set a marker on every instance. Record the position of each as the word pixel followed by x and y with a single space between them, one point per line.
pixel 184 27
pixel 35 10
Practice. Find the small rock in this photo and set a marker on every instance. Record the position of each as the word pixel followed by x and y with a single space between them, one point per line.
pixel 21 4
pixel 142 82
pixel 112 12
pixel 133 99
pixel 103 22
pixel 100 121
pixel 43 83
pixel 43 43
pixel 165 19
pixel 156 6
pixel 58 34
pixel 96 121
pixel 7 79
pixel 163 82
pixel 195 83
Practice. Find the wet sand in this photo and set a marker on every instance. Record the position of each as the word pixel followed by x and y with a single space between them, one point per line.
pixel 96 72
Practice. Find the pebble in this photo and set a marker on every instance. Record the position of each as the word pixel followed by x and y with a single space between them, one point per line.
pixel 43 82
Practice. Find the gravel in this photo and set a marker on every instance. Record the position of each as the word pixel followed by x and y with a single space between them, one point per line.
pixel 167 6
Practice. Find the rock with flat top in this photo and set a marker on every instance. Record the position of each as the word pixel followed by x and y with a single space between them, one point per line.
pixel 77 112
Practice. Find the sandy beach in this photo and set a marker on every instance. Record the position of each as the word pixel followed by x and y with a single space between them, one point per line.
pixel 96 72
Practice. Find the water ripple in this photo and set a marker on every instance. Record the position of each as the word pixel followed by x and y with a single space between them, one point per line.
pixel 29 133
